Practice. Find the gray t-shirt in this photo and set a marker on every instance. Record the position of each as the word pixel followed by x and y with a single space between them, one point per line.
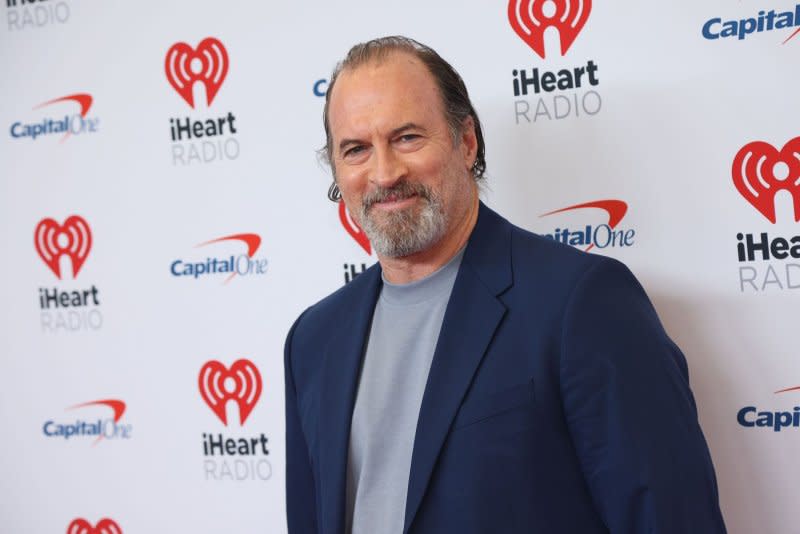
pixel 402 339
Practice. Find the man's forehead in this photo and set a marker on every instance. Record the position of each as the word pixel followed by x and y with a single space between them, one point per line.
pixel 387 58
pixel 397 76
pixel 400 69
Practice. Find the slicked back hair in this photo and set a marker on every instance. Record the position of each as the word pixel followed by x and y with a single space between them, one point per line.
pixel 456 103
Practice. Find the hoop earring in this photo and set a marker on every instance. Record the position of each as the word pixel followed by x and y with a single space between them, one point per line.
pixel 333 193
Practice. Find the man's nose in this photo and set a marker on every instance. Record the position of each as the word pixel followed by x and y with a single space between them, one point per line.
pixel 389 167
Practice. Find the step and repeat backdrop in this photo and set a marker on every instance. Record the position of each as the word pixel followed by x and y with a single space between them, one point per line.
pixel 164 220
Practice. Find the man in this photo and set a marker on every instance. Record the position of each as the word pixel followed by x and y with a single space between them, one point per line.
pixel 479 378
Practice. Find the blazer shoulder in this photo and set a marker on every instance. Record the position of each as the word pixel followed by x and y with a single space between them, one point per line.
pixel 318 324
pixel 551 262
pixel 340 301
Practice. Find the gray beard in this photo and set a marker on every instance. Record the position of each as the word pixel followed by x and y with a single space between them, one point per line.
pixel 404 232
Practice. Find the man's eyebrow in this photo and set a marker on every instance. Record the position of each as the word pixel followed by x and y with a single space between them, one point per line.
pixel 404 128
pixel 397 131
pixel 345 142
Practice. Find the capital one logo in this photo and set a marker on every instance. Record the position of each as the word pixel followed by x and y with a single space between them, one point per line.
pixel 104 526
pixel 760 171
pixel 775 420
pixel 353 228
pixel 595 235
pixel 74 124
pixel 109 428
pixel 243 264
pixel 241 383
pixel 72 239
pixel 531 18
pixel 207 64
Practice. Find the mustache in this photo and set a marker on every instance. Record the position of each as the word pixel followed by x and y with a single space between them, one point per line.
pixel 398 191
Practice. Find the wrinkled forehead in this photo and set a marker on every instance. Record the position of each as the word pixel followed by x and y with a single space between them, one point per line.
pixel 403 68
pixel 396 81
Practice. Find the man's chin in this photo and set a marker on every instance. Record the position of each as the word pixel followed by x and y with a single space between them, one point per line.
pixel 384 219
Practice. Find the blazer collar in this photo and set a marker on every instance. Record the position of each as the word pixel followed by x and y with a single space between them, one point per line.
pixel 473 315
pixel 489 251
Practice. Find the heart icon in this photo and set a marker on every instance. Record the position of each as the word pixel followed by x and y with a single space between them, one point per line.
pixel 529 20
pixel 104 526
pixel 241 384
pixel 73 238
pixel 759 171
pixel 353 228
pixel 207 64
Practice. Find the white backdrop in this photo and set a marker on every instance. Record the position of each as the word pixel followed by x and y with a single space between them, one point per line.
pixel 658 127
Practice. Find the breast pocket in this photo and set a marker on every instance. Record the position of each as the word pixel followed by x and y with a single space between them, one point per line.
pixel 484 407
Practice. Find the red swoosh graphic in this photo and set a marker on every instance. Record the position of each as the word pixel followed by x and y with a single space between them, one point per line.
pixel 116 405
pixel 84 100
pixel 253 241
pixel 796 388
pixel 795 33
pixel 616 210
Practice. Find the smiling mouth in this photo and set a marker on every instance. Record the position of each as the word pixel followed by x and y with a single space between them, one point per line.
pixel 401 196
pixel 395 201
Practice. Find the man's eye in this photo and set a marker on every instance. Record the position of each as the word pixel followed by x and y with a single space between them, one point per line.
pixel 353 150
pixel 408 137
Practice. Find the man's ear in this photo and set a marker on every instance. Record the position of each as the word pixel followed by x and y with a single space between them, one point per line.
pixel 468 141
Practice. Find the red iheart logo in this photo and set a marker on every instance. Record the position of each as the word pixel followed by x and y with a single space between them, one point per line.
pixel 530 19
pixel 353 228
pixel 208 64
pixel 104 526
pixel 760 171
pixel 73 238
pixel 241 383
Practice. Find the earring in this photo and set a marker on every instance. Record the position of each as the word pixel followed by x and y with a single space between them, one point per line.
pixel 333 193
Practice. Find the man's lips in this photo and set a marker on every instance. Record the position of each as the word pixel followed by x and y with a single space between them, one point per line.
pixel 395 202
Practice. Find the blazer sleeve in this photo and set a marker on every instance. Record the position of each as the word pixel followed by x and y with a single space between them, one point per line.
pixel 630 411
pixel 300 495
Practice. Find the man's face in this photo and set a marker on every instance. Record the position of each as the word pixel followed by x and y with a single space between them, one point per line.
pixel 401 175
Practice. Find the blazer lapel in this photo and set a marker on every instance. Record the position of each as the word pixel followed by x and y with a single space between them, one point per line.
pixel 341 367
pixel 473 314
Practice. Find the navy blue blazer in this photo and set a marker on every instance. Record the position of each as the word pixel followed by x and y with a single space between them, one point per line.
pixel 555 402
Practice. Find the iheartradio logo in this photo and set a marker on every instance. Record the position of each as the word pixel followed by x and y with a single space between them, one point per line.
pixel 760 171
pixel 207 64
pixel 73 239
pixel 530 19
pixel 104 526
pixel 240 383
pixel 352 227
pixel 351 270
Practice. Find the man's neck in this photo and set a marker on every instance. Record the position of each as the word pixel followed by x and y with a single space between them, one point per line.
pixel 419 265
